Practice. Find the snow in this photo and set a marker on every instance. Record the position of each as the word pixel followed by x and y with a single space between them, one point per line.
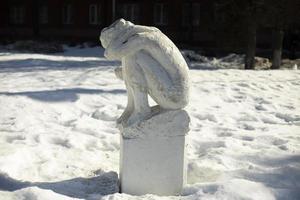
pixel 58 138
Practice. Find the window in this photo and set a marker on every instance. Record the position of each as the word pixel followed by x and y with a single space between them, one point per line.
pixel 131 12
pixel 94 14
pixel 17 14
pixel 191 18
pixel 160 14
pixel 219 13
pixel 186 14
pixel 196 14
pixel 67 14
pixel 43 14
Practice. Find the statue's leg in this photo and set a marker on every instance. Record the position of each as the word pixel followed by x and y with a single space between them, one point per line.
pixel 164 91
pixel 142 109
pixel 129 108
pixel 136 83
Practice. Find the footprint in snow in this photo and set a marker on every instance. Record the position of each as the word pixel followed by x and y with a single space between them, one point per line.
pixel 278 142
pixel 224 132
pixel 61 142
pixel 208 117
pixel 269 120
pixel 260 100
pixel 199 174
pixel 204 147
pixel 260 107
pixel 283 147
pixel 105 114
pixel 236 89
pixel 91 145
pixel 271 140
pixel 287 117
pixel 205 90
pixel 245 117
pixel 69 123
pixel 229 100
pixel 11 139
pixel 281 144
pixel 290 107
pixel 247 138
pixel 247 127
pixel 295 83
pixel 243 84
pixel 279 86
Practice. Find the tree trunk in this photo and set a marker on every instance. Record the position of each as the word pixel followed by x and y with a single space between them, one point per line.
pixel 251 44
pixel 277 35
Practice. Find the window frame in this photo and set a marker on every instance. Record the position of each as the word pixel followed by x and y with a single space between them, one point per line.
pixel 191 18
pixel 219 16
pixel 43 14
pixel 196 8
pixel 160 14
pixel 17 14
pixel 96 13
pixel 131 12
pixel 67 14
pixel 185 15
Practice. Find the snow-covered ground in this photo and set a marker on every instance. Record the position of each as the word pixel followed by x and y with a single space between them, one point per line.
pixel 58 138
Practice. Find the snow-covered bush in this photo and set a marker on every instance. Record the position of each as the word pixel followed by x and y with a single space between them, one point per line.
pixel 36 46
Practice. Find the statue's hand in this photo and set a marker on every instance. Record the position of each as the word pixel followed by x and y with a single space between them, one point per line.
pixel 110 55
pixel 118 73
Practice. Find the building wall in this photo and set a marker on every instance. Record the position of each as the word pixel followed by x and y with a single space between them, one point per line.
pixel 189 22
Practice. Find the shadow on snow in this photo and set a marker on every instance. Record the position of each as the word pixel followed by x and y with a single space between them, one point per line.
pixel 282 174
pixel 104 184
pixel 31 65
pixel 60 95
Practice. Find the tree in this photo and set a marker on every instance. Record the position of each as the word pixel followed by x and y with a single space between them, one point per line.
pixel 252 12
pixel 250 39
pixel 277 40
pixel 280 15
pixel 247 14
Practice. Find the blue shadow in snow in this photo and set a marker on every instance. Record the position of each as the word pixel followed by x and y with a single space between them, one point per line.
pixel 60 95
pixel 31 65
pixel 103 184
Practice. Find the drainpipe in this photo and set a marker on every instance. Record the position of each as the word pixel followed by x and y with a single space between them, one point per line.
pixel 35 18
pixel 191 28
pixel 113 10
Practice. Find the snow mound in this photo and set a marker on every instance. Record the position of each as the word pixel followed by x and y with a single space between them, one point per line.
pixel 231 61
pixel 36 47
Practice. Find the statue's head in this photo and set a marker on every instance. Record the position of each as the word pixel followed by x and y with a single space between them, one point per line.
pixel 110 33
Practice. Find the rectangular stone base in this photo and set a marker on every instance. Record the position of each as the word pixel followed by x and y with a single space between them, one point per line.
pixel 153 165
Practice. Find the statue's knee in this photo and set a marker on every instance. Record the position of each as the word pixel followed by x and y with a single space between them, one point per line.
pixel 135 75
pixel 174 101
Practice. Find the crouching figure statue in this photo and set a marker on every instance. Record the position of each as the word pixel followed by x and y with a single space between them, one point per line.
pixel 151 64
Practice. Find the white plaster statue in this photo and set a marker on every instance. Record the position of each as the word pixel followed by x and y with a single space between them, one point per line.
pixel 151 64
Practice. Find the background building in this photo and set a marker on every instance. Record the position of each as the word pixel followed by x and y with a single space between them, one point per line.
pixel 210 24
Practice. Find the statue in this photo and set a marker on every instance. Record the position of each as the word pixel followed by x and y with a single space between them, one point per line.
pixel 152 145
pixel 151 64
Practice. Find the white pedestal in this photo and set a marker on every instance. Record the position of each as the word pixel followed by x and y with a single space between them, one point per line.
pixel 153 155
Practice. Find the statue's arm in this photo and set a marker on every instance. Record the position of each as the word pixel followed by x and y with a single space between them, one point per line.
pixel 129 45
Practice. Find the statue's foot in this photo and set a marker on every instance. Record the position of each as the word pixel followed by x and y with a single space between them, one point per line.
pixel 124 117
pixel 136 117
